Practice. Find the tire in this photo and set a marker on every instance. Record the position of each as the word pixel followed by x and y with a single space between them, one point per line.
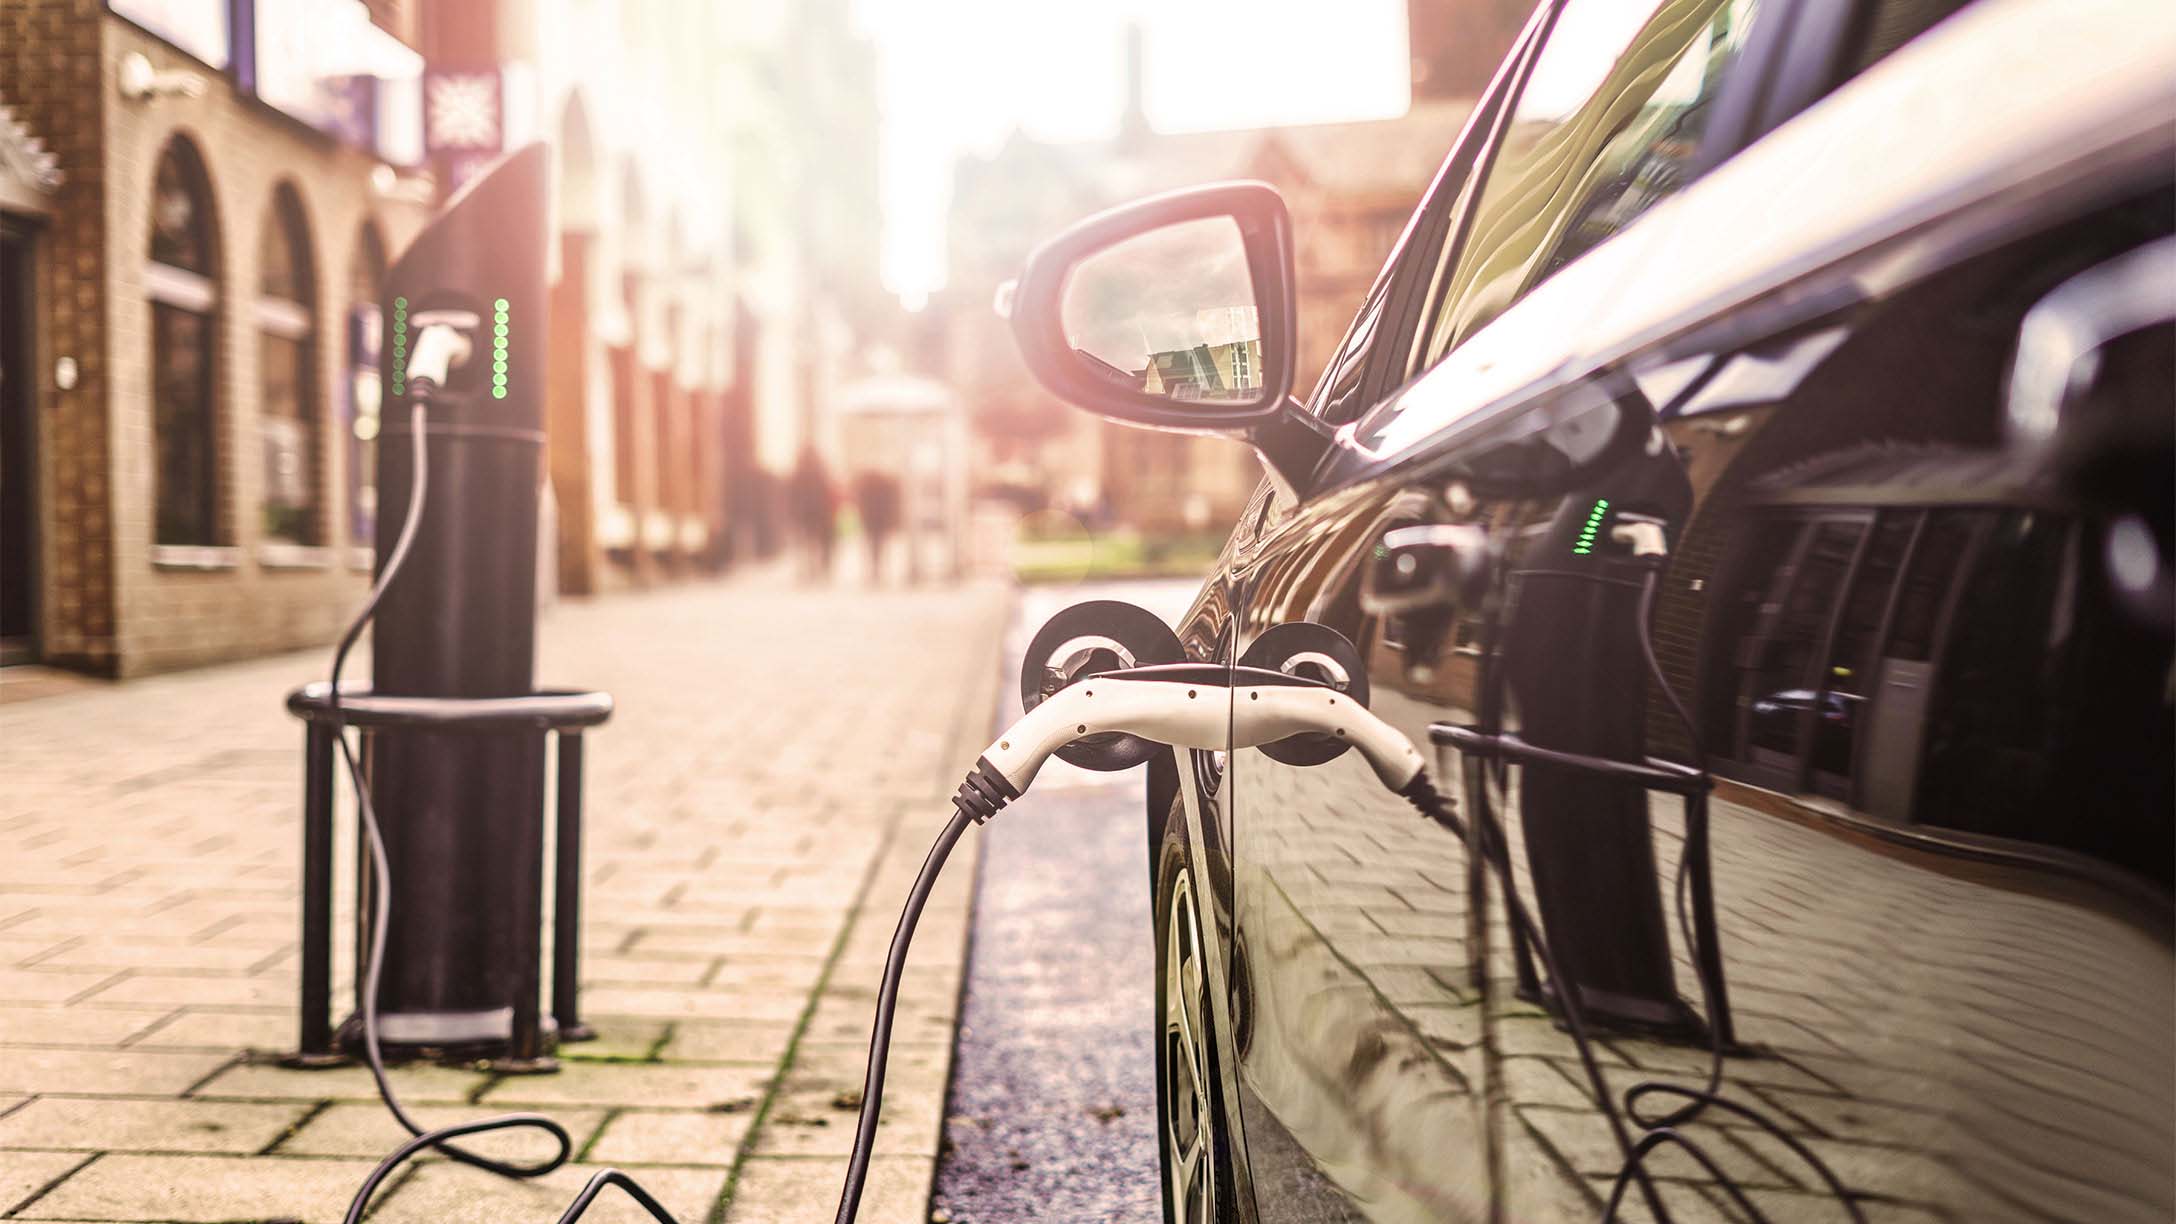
pixel 1194 1131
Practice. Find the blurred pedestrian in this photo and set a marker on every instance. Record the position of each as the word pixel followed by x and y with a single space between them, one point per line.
pixel 813 504
pixel 876 500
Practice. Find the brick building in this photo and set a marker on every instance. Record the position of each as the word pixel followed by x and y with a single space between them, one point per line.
pixel 715 266
pixel 197 201
pixel 188 413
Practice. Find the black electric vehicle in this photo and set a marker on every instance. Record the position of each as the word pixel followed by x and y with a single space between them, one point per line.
pixel 1751 475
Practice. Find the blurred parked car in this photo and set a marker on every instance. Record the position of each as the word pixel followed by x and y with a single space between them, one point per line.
pixel 1824 349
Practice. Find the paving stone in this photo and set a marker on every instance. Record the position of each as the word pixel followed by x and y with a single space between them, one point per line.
pixel 106 1124
pixel 120 1186
pixel 684 1003
pixel 109 953
pixel 79 1025
pixel 23 1174
pixel 49 985
pixel 687 1085
pixel 728 1041
pixel 618 1037
pixel 38 1069
pixel 643 1136
pixel 177 990
pixel 220 1029
pixel 795 1190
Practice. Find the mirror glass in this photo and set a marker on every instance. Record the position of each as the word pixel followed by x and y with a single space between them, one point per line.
pixel 1172 313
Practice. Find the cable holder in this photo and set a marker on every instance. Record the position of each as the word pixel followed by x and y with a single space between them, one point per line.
pixel 563 713
pixel 1652 774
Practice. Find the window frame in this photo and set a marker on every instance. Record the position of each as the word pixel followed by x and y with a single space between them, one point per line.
pixel 1367 340
pixel 195 292
pixel 1777 76
pixel 293 321
pixel 361 335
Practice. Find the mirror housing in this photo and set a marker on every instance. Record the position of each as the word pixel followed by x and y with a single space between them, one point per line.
pixel 1038 308
pixel 1289 440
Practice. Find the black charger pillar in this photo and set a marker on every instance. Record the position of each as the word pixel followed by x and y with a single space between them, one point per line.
pixel 1573 663
pixel 461 809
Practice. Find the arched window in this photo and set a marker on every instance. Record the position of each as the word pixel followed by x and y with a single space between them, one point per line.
pixel 287 404
pixel 181 283
pixel 365 397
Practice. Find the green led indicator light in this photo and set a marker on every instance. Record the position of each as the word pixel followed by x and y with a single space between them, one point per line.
pixel 499 333
pixel 1585 543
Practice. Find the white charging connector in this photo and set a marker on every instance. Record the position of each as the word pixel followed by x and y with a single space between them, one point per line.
pixel 442 343
pixel 1206 716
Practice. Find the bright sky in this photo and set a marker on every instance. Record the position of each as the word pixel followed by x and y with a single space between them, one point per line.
pixel 959 75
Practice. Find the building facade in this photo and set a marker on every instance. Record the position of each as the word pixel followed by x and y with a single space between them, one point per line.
pixel 190 392
pixel 715 266
pixel 198 199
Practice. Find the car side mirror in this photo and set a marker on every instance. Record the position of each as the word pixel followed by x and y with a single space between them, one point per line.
pixel 1174 312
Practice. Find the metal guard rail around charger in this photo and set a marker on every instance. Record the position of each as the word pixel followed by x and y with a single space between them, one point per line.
pixel 1652 774
pixel 566 713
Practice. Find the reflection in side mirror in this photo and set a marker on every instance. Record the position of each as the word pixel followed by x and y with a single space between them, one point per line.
pixel 1175 312
pixel 1170 313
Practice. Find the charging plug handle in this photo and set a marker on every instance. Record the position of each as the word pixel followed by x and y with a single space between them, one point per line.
pixel 442 344
pixel 1198 706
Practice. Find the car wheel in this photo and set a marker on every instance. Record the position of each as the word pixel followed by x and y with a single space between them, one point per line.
pixel 1196 1135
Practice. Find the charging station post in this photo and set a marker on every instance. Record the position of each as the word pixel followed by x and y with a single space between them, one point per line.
pixel 453 725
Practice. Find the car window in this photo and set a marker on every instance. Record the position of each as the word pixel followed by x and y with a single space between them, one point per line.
pixel 1608 123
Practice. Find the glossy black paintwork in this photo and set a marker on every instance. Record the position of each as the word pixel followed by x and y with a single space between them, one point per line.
pixel 1941 826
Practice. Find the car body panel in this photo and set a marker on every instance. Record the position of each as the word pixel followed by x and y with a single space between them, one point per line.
pixel 1948 965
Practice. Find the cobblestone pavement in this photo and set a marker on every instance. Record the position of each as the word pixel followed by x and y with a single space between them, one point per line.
pixel 757 806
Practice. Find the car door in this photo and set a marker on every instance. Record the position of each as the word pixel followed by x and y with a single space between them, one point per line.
pixel 1357 957
pixel 1925 909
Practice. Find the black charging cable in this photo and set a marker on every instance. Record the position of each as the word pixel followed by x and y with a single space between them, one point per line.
pixel 381 900
pixel 980 797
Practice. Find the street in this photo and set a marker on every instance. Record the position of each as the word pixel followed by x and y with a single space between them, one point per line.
pixel 1052 1110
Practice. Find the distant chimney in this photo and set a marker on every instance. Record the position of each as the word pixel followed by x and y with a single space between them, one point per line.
pixel 1133 125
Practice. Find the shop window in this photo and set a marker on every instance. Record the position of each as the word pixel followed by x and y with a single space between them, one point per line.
pixel 622 361
pixel 180 281
pixel 365 394
pixel 287 405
